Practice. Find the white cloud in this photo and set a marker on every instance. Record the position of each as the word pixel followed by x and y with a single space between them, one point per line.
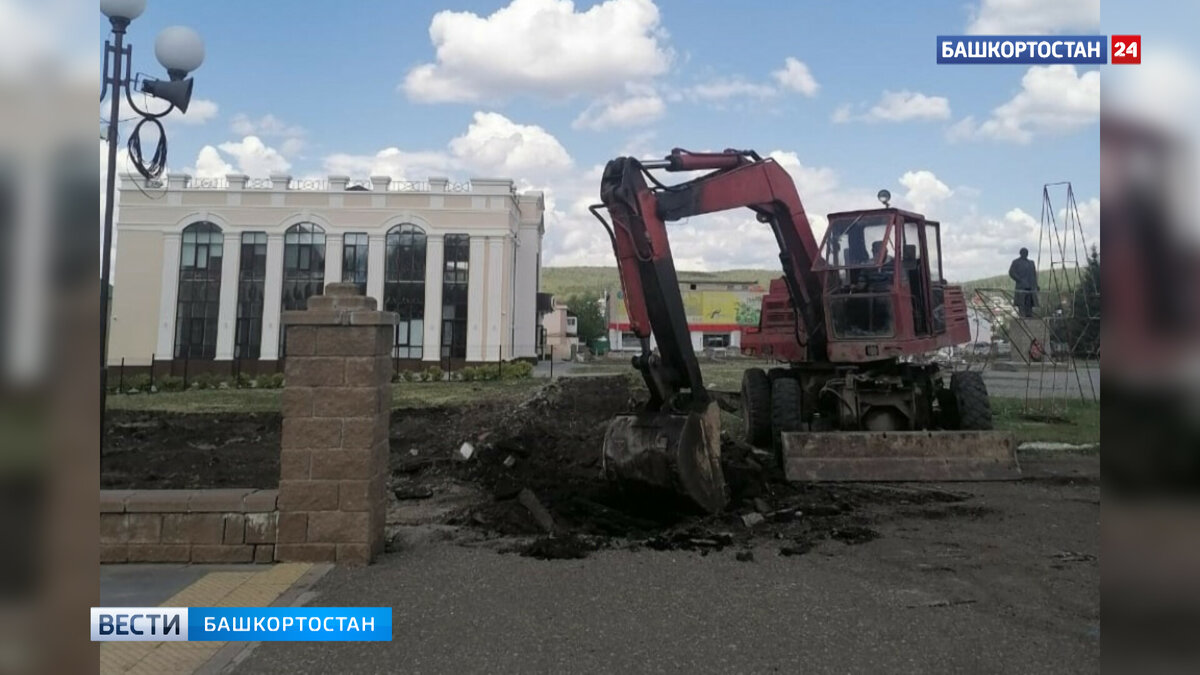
pixel 200 111
pixel 925 190
pixel 492 146
pixel 267 125
pixel 398 164
pixel 796 76
pixel 254 158
pixel 210 164
pixel 292 137
pixel 897 106
pixel 634 109
pixel 842 114
pixel 722 89
pixel 497 144
pixel 1053 99
pixel 1033 17
pixel 541 47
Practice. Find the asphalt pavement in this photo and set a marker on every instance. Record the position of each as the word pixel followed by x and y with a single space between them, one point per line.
pixel 1010 584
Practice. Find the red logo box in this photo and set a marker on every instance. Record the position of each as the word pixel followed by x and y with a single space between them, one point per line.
pixel 1126 49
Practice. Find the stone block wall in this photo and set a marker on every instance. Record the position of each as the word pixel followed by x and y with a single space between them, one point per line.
pixel 181 526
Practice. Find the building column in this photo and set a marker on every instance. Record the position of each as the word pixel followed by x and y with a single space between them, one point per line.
pixel 475 301
pixel 435 256
pixel 227 318
pixel 272 298
pixel 333 258
pixel 498 312
pixel 376 266
pixel 525 259
pixel 170 291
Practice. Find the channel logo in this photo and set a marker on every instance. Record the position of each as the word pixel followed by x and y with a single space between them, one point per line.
pixel 241 624
pixel 1023 49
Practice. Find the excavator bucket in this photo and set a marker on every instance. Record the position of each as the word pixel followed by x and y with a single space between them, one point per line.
pixel 899 456
pixel 672 452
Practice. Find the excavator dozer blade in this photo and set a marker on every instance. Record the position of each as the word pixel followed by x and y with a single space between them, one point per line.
pixel 899 456
pixel 676 453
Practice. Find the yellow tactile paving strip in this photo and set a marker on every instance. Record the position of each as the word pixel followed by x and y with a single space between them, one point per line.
pixel 215 589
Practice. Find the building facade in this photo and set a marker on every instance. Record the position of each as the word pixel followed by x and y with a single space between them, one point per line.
pixel 560 332
pixel 717 312
pixel 204 267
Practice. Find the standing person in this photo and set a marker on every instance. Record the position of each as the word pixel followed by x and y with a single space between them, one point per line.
pixel 1023 272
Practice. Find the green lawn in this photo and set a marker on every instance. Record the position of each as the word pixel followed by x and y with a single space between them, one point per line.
pixel 1080 424
pixel 404 395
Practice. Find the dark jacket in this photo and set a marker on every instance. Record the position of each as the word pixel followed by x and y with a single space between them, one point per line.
pixel 1024 273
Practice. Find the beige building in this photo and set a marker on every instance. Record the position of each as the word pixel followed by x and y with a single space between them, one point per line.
pixel 205 266
pixel 561 332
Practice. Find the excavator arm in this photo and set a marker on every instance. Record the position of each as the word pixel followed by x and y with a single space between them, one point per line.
pixel 640 206
pixel 675 440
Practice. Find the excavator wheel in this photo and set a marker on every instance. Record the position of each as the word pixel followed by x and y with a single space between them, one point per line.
pixel 972 407
pixel 785 408
pixel 756 407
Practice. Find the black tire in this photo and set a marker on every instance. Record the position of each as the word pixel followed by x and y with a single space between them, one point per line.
pixel 756 407
pixel 971 401
pixel 785 409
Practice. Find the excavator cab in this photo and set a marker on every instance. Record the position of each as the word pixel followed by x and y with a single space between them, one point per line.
pixel 884 293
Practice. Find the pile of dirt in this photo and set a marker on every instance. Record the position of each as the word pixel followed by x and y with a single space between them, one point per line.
pixel 550 446
pixel 532 469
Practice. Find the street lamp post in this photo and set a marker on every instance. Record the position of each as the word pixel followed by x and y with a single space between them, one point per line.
pixel 180 51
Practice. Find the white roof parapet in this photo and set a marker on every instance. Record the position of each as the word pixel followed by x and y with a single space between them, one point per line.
pixel 492 186
pixel 177 181
pixel 380 183
pixel 438 183
pixel 279 181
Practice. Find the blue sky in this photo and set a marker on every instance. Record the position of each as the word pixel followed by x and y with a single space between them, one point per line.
pixel 848 95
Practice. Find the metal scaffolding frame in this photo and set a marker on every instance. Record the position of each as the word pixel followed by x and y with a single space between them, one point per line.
pixel 1044 343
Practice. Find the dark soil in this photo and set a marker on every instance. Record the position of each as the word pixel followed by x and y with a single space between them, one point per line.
pixel 549 444
pixel 146 450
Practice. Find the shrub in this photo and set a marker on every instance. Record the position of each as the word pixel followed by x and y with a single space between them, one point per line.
pixel 206 381
pixel 169 383
pixel 469 374
pixel 433 374
pixel 516 370
pixel 244 380
pixel 268 381
pixel 137 383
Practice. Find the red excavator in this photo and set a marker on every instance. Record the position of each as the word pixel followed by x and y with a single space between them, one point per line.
pixel 854 318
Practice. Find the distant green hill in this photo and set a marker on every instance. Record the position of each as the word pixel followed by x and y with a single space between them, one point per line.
pixel 564 282
pixel 1002 282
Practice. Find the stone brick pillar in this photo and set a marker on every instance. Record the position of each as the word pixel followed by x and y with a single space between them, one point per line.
pixel 337 400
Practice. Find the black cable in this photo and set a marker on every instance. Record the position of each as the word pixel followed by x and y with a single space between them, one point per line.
pixel 158 162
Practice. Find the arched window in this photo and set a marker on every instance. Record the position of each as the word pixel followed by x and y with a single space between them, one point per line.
pixel 404 288
pixel 303 268
pixel 303 264
pixel 198 303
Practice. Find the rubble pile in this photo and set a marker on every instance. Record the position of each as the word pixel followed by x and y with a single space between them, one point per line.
pixel 538 464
